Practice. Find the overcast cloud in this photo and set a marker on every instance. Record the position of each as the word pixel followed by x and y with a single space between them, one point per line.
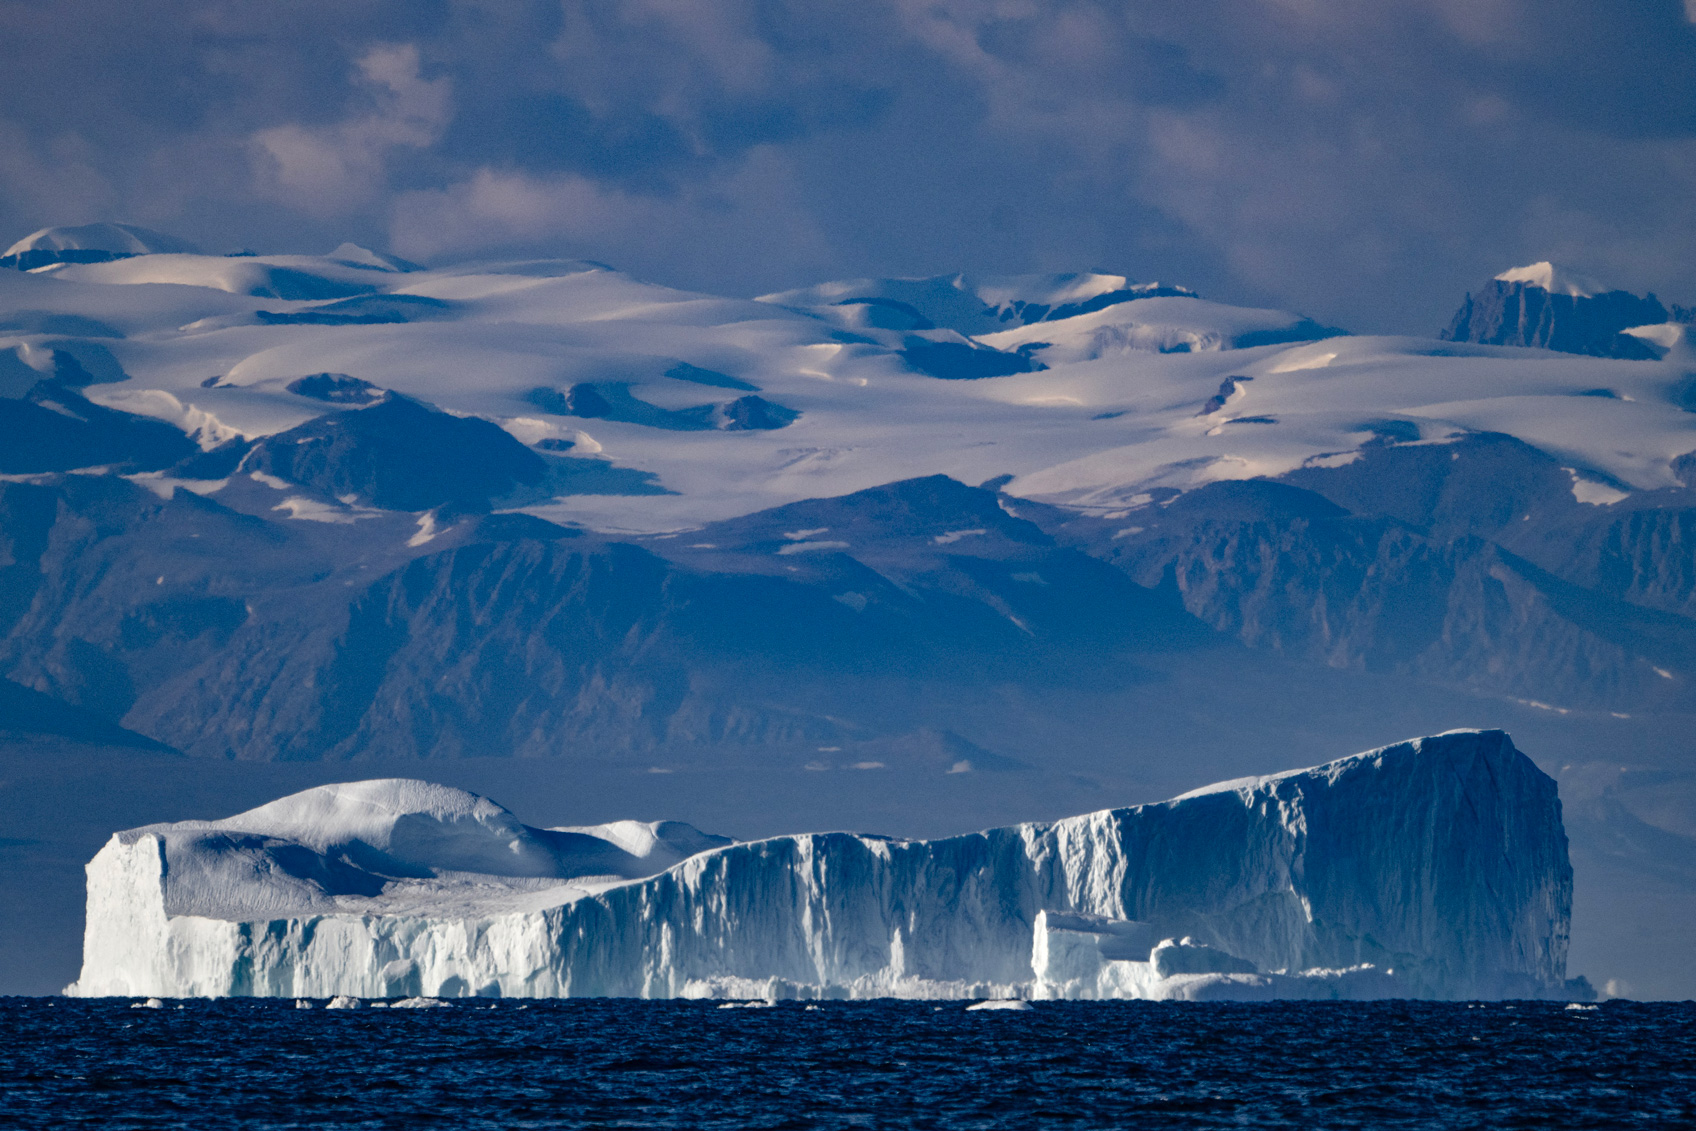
pixel 1363 161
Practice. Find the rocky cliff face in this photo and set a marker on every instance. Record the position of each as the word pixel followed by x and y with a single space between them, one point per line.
pixel 1470 563
pixel 225 635
pixel 1519 313
pixel 222 634
pixel 1434 868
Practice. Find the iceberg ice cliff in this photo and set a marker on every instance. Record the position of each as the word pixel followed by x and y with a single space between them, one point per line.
pixel 1432 868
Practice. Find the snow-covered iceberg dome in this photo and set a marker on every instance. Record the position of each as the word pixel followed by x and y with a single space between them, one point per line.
pixel 1433 868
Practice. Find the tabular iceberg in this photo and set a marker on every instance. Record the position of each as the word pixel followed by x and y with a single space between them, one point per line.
pixel 1433 868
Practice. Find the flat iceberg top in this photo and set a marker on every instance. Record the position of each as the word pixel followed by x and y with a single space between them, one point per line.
pixel 1331 771
pixel 1555 280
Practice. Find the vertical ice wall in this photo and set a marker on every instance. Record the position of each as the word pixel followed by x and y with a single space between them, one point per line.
pixel 1433 868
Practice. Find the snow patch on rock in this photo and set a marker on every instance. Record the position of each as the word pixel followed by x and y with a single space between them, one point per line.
pixel 1555 280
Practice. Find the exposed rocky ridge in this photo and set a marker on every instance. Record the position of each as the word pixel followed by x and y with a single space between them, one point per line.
pixel 974 306
pixel 53 428
pixel 1469 562
pixel 1505 313
pixel 399 454
pixel 612 400
pixel 226 633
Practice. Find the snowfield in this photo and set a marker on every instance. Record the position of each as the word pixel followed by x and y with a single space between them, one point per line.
pixel 1087 390
pixel 1434 868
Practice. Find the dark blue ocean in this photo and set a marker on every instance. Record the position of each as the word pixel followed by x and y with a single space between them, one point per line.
pixel 587 1063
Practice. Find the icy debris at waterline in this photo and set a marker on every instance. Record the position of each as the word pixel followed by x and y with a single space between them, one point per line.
pixel 1432 868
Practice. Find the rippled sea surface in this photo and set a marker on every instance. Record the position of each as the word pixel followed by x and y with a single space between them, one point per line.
pixel 478 1064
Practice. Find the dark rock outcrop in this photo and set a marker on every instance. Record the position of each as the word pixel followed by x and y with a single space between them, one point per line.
pixel 956 358
pixel 335 388
pixel 362 310
pixel 400 454
pixel 613 400
pixel 1520 314
pixel 1468 564
pixel 52 428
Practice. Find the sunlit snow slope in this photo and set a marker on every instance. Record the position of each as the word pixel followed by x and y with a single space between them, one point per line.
pixel 1434 868
pixel 1088 390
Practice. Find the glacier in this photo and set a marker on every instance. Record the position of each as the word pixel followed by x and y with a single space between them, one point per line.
pixel 1085 386
pixel 1434 868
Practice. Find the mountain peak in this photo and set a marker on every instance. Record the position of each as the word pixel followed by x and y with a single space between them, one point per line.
pixel 1546 307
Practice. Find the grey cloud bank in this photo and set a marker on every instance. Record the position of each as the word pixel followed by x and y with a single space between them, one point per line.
pixel 1364 163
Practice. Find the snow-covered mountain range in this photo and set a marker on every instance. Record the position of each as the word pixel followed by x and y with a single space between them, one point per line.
pixel 1353 501
pixel 1104 389
pixel 298 508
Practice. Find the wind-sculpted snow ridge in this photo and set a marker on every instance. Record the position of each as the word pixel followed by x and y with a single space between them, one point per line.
pixel 89 243
pixel 1433 868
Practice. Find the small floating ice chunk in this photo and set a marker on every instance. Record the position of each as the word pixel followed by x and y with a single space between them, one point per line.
pixel 420 1003
pixel 150 1003
pixel 998 1003
pixel 341 1001
pixel 302 1003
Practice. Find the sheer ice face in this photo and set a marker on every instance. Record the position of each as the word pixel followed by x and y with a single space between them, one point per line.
pixel 1432 868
